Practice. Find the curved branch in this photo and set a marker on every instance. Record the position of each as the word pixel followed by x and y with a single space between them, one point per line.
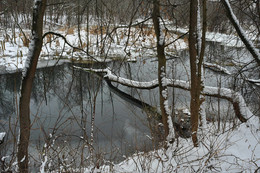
pixel 239 105
pixel 66 41
pixel 216 68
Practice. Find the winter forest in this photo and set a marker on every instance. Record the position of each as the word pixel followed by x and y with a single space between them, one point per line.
pixel 129 86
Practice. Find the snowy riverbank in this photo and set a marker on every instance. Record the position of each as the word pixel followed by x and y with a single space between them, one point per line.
pixel 141 43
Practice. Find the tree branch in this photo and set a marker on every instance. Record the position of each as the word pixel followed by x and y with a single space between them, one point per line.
pixel 66 41
pixel 241 110
pixel 249 45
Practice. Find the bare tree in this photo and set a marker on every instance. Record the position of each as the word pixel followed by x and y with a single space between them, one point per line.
pixel 195 83
pixel 28 76
pixel 196 50
pixel 161 65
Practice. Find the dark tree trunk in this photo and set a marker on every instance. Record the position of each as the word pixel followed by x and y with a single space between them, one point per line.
pixel 161 65
pixel 195 80
pixel 28 76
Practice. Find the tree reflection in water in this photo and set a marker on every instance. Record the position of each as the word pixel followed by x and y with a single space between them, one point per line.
pixel 63 102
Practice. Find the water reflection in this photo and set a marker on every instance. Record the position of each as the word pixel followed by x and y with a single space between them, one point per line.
pixel 62 105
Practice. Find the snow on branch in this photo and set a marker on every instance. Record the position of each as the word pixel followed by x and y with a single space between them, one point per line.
pixel 220 69
pixel 216 68
pixel 241 109
pixel 30 56
pixel 254 81
pixel 2 136
pixel 123 81
pixel 36 42
pixel 161 40
pixel 249 45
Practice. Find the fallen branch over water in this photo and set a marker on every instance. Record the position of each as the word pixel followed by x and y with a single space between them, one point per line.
pixel 242 111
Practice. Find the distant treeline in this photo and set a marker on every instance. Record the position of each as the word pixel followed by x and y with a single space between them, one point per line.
pixel 106 12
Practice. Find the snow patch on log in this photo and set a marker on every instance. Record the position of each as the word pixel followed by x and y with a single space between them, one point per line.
pixel 29 57
pixel 2 136
pixel 161 40
pixel 224 93
pixel 216 67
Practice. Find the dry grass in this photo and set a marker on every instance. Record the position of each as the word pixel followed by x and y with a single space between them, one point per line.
pixel 19 54
pixel 186 39
pixel 57 53
pixel 96 30
pixel 148 32
pixel 2 45
pixel 24 39
pixel 122 35
pixel 57 43
pixel 49 38
pixel 84 45
pixel 62 29
pixel 70 31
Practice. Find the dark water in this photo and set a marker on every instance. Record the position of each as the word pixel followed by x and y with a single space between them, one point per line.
pixel 63 101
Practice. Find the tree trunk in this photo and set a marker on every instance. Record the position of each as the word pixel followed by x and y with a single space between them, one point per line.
pixel 161 65
pixel 27 80
pixel 195 80
pixel 201 61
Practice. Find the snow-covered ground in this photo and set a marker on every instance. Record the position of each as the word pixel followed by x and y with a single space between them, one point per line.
pixel 227 150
